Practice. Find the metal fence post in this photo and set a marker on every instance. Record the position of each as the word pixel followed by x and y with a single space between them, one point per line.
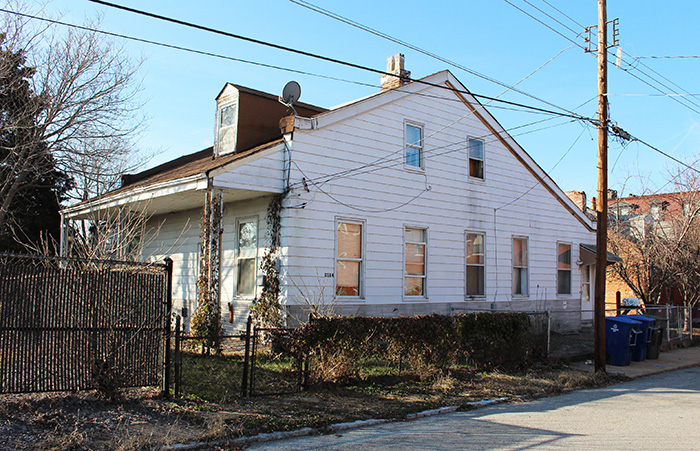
pixel 166 325
pixel 177 360
pixel 246 358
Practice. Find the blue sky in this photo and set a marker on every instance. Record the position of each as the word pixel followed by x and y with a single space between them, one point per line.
pixel 490 37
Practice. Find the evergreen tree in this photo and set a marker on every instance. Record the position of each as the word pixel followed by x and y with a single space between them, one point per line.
pixel 31 188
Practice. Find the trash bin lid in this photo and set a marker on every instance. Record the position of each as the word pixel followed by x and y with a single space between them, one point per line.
pixel 642 318
pixel 622 319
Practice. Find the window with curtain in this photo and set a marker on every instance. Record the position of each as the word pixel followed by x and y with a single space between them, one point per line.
pixel 476 158
pixel 563 268
pixel 414 274
pixel 520 267
pixel 476 259
pixel 349 261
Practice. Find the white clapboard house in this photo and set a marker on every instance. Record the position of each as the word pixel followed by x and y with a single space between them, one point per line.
pixel 413 200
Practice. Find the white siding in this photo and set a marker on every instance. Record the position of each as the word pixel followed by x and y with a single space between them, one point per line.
pixel 509 201
pixel 176 235
pixel 234 213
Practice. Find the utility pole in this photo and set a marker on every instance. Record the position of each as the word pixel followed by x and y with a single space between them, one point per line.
pixel 602 204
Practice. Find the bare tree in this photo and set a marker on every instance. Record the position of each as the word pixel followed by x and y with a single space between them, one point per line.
pixel 661 251
pixel 85 112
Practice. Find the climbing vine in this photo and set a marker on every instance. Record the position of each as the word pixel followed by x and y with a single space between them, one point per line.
pixel 267 307
pixel 206 321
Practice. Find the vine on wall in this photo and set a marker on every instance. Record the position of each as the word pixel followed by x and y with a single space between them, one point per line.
pixel 266 309
pixel 206 321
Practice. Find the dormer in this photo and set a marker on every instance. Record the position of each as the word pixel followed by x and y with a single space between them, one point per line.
pixel 246 118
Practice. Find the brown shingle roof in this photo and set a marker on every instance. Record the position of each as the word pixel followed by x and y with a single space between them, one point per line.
pixel 189 165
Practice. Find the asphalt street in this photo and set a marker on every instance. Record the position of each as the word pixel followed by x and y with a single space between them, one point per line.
pixel 659 412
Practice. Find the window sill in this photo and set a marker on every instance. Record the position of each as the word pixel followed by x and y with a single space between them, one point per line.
pixel 414 169
pixel 475 297
pixel 348 299
pixel 415 298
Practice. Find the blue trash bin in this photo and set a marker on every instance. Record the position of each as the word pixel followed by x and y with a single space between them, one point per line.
pixel 639 354
pixel 620 338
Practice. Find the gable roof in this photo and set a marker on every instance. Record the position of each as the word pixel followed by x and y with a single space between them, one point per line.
pixel 447 79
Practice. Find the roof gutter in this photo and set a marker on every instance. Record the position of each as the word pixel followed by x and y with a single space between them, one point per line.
pixel 145 193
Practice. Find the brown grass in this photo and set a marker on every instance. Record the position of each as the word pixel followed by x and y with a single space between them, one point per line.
pixel 140 420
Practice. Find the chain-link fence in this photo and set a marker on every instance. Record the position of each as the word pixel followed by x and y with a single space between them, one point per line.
pixel 572 343
pixel 72 324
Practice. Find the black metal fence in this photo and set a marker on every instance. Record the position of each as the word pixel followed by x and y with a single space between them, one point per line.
pixel 72 324
pixel 249 363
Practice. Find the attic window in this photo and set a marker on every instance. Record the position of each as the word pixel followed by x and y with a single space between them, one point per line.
pixel 476 158
pixel 227 128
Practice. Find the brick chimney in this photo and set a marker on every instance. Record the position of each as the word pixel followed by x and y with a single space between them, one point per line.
pixel 593 204
pixel 394 65
pixel 612 194
pixel 579 198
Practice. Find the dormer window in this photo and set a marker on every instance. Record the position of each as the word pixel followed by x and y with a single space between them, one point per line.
pixel 227 128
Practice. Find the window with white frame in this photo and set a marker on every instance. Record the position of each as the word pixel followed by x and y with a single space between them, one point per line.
pixel 476 158
pixel 414 145
pixel 350 259
pixel 563 268
pixel 585 283
pixel 227 129
pixel 521 282
pixel 414 274
pixel 476 259
pixel 246 260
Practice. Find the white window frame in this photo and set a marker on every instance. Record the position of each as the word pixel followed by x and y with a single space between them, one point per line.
pixel 483 158
pixel 240 221
pixel 361 260
pixel 421 147
pixel 219 128
pixel 467 265
pixel 425 243
pixel 526 267
pixel 570 270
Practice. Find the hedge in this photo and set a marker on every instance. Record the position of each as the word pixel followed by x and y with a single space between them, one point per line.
pixel 341 347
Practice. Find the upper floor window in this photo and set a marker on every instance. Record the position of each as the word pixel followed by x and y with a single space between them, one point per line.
pixel 476 158
pixel 563 268
pixel 521 281
pixel 350 259
pixel 475 264
pixel 414 145
pixel 414 275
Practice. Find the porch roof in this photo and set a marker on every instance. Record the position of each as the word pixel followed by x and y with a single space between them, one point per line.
pixel 171 186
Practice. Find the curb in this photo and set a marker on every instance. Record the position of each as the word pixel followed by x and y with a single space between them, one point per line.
pixel 273 436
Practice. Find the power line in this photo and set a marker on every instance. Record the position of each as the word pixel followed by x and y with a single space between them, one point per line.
pixel 625 70
pixel 388 37
pixel 325 58
pixel 286 69
pixel 668 57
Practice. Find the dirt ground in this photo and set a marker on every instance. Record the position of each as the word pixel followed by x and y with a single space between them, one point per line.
pixel 141 420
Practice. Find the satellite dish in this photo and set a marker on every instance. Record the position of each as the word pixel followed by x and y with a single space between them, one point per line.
pixel 291 93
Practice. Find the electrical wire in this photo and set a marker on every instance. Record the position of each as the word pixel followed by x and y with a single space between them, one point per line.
pixel 621 68
pixel 668 57
pixel 388 37
pixel 286 69
pixel 321 57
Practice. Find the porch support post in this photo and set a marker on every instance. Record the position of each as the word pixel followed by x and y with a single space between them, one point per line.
pixel 215 231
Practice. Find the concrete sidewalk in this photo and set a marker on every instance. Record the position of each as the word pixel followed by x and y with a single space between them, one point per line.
pixel 667 361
